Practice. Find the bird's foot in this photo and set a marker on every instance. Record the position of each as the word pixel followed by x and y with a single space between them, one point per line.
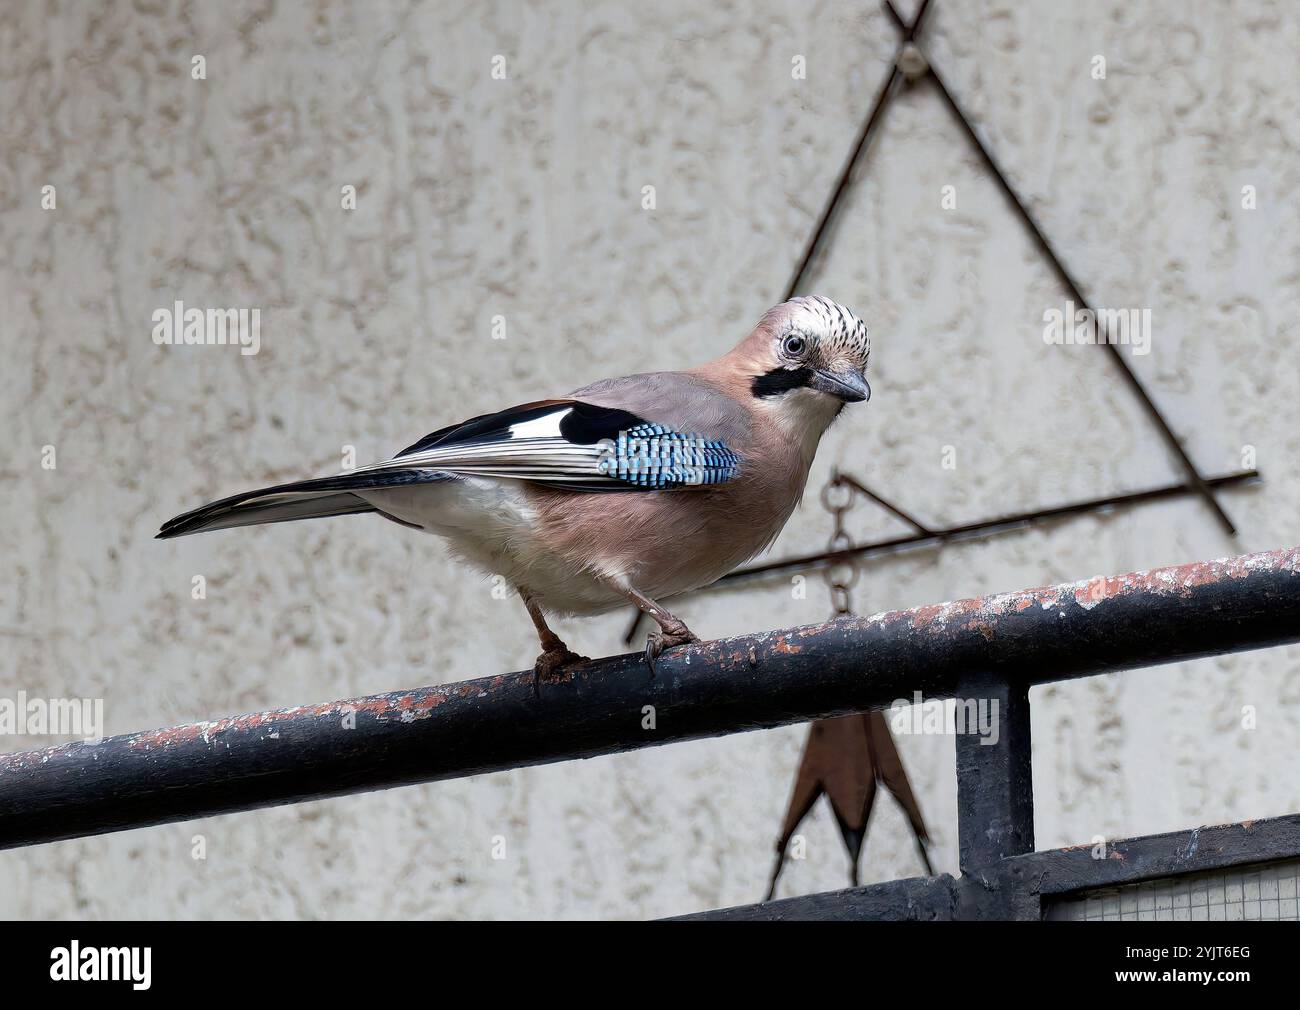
pixel 669 638
pixel 550 662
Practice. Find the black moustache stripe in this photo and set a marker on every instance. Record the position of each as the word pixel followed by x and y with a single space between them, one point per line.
pixel 780 380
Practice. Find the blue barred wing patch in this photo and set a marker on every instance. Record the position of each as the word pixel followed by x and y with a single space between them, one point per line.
pixel 651 456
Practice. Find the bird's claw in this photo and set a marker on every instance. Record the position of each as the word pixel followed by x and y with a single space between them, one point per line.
pixel 550 662
pixel 657 641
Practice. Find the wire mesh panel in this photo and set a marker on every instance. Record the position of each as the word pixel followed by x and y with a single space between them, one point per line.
pixel 1258 892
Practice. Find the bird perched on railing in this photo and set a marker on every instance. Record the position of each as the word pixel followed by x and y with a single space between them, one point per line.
pixel 630 489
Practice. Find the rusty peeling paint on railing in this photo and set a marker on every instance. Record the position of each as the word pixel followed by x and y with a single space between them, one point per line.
pixel 424 734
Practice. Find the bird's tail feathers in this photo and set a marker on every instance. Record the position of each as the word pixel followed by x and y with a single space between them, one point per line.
pixel 307 499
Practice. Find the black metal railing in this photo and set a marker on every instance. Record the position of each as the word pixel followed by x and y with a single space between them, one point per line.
pixel 990 647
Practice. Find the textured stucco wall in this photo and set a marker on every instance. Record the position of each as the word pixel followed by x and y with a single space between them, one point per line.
pixel 522 197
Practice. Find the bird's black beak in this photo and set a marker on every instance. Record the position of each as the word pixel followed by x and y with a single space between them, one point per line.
pixel 847 384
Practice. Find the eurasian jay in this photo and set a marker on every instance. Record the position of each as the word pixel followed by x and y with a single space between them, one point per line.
pixel 628 490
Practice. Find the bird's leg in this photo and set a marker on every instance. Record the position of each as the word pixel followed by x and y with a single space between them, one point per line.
pixel 672 630
pixel 555 654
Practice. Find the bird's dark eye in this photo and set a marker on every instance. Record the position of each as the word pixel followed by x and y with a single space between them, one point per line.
pixel 794 345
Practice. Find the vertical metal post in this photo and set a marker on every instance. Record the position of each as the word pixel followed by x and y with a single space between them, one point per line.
pixel 995 789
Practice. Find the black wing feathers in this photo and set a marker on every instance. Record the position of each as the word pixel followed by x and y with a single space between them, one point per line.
pixel 557 443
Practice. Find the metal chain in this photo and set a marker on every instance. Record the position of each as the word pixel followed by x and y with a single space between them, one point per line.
pixel 840 576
